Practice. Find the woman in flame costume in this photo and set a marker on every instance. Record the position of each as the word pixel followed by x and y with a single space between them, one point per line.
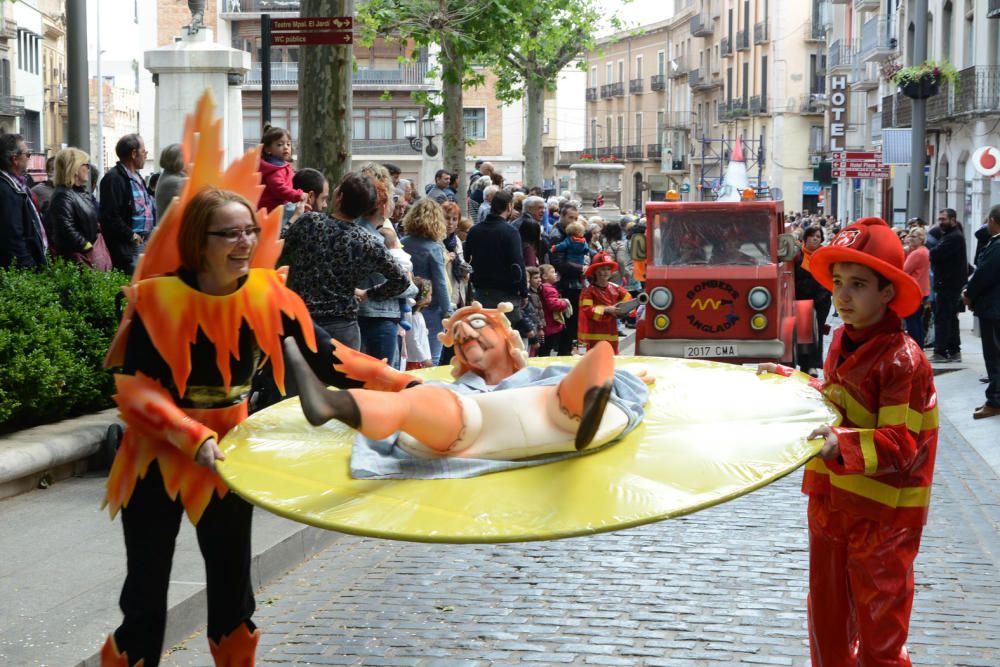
pixel 205 308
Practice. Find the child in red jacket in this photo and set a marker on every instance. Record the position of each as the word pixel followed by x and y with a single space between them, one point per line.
pixel 601 303
pixel 555 308
pixel 276 170
pixel 869 487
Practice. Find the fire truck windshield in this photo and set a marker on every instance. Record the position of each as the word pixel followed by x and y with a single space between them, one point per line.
pixel 683 238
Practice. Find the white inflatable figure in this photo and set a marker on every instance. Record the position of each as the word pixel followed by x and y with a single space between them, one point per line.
pixel 735 180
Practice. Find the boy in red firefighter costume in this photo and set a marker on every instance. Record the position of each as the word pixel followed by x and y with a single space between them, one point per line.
pixel 601 303
pixel 869 488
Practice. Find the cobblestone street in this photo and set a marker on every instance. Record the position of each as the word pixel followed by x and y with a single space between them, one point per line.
pixel 723 586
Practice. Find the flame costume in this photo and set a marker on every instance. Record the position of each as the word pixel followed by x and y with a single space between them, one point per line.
pixel 598 318
pixel 867 507
pixel 187 361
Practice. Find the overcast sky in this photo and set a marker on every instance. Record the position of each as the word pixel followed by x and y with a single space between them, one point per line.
pixel 642 12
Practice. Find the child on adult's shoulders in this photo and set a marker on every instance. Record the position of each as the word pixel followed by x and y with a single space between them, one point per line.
pixel 574 245
pixel 276 170
pixel 869 487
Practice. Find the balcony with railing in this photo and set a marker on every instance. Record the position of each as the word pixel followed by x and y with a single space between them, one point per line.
pixel 677 67
pixel 867 5
pixel 695 79
pixel 816 31
pixel 677 120
pixel 572 157
pixel 760 34
pixel 993 9
pixel 634 152
pixel 865 76
pixel 654 151
pixel 11 106
pixel 592 94
pixel 897 111
pixel 658 82
pixel 840 57
pixel 618 89
pixel 606 91
pixel 674 166
pixel 725 47
pixel 878 42
pixel 232 8
pixel 740 108
pixel 742 40
pixel 979 91
pixel 812 104
pixel 758 105
pixel 635 85
pixel 406 76
pixel 701 25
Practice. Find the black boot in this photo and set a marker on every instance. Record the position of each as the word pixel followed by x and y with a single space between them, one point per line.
pixel 594 403
pixel 319 404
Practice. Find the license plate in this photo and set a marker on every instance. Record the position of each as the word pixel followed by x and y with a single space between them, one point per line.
pixel 709 351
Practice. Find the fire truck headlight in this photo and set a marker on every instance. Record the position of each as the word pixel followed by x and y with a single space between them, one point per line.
pixel 661 322
pixel 661 298
pixel 758 322
pixel 759 298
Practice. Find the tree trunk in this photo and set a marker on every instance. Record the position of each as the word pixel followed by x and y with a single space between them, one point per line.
pixel 325 81
pixel 535 96
pixel 453 137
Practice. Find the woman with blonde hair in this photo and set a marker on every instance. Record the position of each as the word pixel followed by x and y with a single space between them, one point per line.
pixel 425 228
pixel 918 265
pixel 73 214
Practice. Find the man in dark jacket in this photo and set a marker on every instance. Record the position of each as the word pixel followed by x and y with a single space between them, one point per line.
pixel 22 237
pixel 493 248
pixel 128 211
pixel 982 294
pixel 951 269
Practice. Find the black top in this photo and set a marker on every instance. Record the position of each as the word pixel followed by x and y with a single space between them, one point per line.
pixel 493 248
pixel 20 237
pixel 948 259
pixel 328 258
pixel 205 386
pixel 73 219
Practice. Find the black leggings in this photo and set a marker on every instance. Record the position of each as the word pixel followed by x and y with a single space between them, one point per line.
pixel 151 521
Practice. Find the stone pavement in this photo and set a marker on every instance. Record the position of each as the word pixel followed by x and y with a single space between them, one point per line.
pixel 725 586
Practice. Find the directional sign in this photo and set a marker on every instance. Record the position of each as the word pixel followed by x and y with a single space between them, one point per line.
pixel 858 164
pixel 311 37
pixel 875 172
pixel 856 155
pixel 313 23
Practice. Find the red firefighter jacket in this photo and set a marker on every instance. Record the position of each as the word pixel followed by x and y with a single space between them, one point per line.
pixel 881 384
pixel 597 313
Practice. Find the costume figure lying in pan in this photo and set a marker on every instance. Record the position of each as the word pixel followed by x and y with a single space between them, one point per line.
pixel 540 411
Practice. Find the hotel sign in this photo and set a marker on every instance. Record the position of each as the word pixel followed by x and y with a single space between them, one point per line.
pixel 838 112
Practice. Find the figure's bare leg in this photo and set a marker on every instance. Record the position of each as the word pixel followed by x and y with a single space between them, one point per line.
pixel 431 414
pixel 581 397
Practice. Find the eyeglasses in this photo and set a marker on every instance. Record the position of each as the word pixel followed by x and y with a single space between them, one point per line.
pixel 233 234
pixel 24 153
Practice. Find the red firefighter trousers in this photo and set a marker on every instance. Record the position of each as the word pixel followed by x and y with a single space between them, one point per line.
pixel 860 588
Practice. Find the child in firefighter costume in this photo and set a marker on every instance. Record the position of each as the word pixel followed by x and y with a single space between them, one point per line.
pixel 601 303
pixel 869 488
pixel 205 308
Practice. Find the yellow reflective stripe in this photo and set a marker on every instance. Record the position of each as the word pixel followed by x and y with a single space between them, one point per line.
pixel 586 302
pixel 597 336
pixel 856 413
pixel 872 489
pixel 867 438
pixel 892 415
pixel 922 421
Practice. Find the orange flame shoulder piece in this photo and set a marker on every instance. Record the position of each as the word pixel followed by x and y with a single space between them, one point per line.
pixel 172 311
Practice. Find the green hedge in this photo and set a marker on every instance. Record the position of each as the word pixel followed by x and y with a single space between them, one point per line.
pixel 55 328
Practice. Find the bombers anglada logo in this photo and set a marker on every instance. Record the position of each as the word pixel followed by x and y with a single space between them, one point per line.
pixel 713 306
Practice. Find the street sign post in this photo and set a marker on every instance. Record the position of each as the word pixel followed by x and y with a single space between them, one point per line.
pixel 858 164
pixel 311 37
pixel 312 30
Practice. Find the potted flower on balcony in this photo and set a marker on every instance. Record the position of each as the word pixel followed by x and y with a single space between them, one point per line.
pixel 924 80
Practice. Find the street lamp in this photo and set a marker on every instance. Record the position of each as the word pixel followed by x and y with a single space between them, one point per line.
pixel 429 132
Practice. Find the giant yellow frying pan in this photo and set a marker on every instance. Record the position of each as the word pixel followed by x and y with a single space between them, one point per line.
pixel 712 432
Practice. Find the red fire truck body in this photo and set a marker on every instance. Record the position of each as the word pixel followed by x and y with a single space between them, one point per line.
pixel 720 284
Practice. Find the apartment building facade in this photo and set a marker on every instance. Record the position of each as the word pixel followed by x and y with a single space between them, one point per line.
pixel 382 87
pixel 717 70
pixel 959 120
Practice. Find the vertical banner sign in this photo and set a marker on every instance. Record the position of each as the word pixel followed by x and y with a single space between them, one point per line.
pixel 838 112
